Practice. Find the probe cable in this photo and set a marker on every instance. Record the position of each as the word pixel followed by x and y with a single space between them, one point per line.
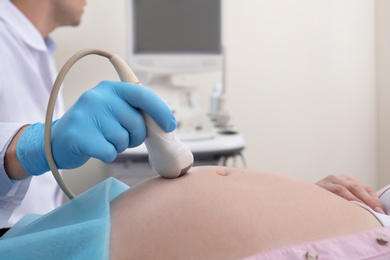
pixel 50 110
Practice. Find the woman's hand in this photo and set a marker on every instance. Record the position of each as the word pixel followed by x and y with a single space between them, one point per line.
pixel 351 189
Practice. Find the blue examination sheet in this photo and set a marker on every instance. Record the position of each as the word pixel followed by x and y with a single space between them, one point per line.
pixel 79 229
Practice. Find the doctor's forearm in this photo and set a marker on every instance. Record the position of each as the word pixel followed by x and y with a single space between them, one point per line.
pixel 12 166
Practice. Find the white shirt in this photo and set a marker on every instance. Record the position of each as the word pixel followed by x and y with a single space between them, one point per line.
pixel 27 73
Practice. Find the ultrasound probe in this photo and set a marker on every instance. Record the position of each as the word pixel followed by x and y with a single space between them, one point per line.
pixel 168 156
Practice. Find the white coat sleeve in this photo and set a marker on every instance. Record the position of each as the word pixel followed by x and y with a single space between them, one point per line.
pixel 12 192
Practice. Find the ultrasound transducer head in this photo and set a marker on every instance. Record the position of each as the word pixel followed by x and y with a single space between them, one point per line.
pixel 168 156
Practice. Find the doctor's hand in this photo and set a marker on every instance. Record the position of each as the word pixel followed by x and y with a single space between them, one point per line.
pixel 103 122
pixel 351 189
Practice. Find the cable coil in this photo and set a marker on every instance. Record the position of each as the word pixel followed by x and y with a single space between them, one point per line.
pixel 50 111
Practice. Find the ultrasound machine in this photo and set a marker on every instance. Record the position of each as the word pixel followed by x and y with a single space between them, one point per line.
pixel 166 39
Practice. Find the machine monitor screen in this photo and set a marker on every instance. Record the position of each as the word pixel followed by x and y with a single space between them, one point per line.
pixel 174 35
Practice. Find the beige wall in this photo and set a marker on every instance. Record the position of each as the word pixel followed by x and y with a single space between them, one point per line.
pixel 300 82
pixel 383 90
pixel 306 70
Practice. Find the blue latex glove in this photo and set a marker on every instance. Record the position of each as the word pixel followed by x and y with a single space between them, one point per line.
pixel 103 122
